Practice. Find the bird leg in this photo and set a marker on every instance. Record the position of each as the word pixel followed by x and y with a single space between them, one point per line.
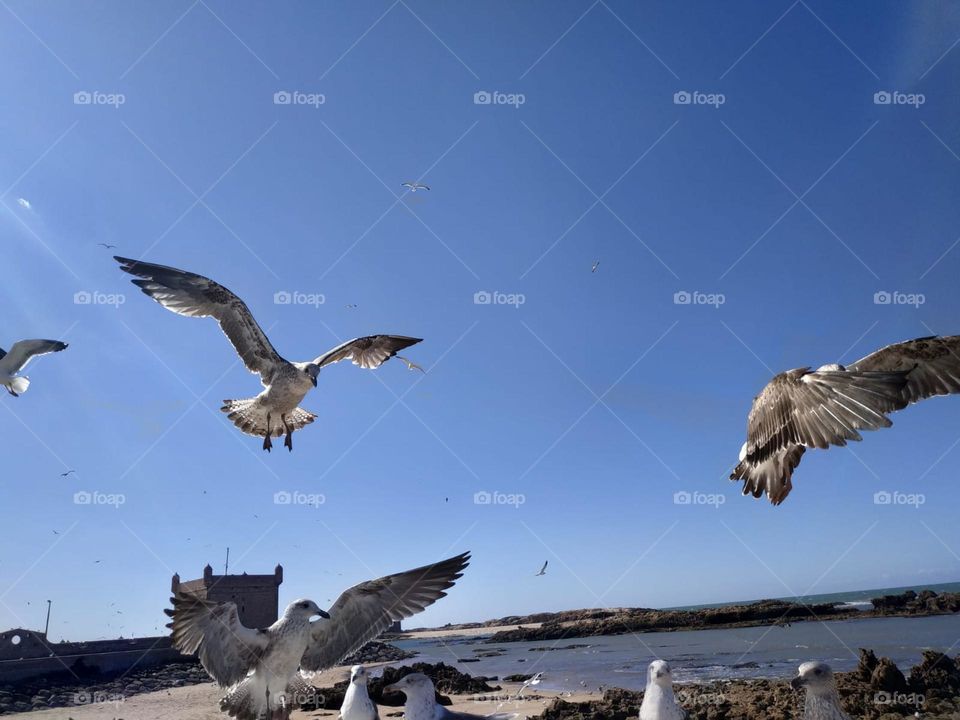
pixel 288 441
pixel 10 390
pixel 267 442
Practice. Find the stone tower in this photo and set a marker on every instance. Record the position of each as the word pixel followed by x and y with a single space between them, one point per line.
pixel 256 596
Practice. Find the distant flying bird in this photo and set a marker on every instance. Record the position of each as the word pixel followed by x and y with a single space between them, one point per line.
pixel 260 667
pixel 806 408
pixel 421 703
pixel 17 359
pixel 24 203
pixel 105 245
pixel 822 701
pixel 350 306
pixel 658 700
pixel 410 364
pixel 357 704
pixel 414 186
pixel 543 570
pixel 274 412
pixel 67 473
pixel 595 266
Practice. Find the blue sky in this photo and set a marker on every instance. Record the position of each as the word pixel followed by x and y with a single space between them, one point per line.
pixel 783 190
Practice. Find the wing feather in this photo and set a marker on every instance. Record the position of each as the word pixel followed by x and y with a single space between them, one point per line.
pixel 933 364
pixel 192 295
pixel 24 351
pixel 368 352
pixel 227 649
pixel 364 611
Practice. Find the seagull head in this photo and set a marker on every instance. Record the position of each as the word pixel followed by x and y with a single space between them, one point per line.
pixel 358 675
pixel 312 370
pixel 415 684
pixel 816 677
pixel 305 609
pixel 659 673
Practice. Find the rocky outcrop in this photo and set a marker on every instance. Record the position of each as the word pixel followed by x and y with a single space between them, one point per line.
pixel 589 623
pixel 446 679
pixel 42 694
pixel 876 690
pixel 378 652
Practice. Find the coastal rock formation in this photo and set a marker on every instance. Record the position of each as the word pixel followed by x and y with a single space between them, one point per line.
pixel 446 679
pixel 376 652
pixel 876 690
pixel 589 623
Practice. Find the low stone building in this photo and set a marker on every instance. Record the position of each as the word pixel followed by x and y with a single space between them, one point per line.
pixel 257 597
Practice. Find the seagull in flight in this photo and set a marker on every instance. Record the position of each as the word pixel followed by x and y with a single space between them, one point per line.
pixel 274 412
pixel 64 474
pixel 806 408
pixel 414 186
pixel 410 365
pixel 260 667
pixel 105 245
pixel 543 570
pixel 596 264
pixel 17 359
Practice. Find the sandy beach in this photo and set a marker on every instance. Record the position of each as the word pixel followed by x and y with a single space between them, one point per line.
pixel 200 702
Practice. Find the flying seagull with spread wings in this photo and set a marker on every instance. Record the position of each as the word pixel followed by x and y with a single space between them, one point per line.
pixel 806 408
pixel 274 412
pixel 414 186
pixel 22 352
pixel 260 667
pixel 543 570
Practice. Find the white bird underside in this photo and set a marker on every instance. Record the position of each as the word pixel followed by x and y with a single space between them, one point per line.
pixel 802 409
pixel 275 411
pixel 19 356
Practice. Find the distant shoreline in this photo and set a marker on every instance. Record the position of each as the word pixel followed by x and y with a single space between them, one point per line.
pixel 572 624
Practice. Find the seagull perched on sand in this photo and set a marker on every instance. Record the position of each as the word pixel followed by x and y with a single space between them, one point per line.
pixel 822 701
pixel 16 360
pixel 274 412
pixel 658 700
pixel 422 702
pixel 414 186
pixel 806 408
pixel 260 667
pixel 543 570
pixel 357 704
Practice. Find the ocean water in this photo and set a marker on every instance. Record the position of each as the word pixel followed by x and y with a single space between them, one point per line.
pixel 700 655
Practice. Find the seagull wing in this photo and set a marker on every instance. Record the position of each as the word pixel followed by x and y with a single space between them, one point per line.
pixel 811 409
pixel 364 611
pixel 25 350
pixel 193 295
pixel 933 364
pixel 368 352
pixel 544 568
pixel 227 649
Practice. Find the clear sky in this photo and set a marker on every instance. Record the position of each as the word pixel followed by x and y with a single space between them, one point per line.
pixel 783 192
